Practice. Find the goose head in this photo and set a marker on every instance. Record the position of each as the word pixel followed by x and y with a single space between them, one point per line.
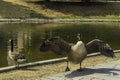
pixel 11 41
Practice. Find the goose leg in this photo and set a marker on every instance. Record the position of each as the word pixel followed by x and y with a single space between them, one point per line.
pixel 80 65
pixel 67 68
pixel 17 65
pixel 80 69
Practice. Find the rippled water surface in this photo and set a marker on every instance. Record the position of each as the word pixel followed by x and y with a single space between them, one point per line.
pixel 29 36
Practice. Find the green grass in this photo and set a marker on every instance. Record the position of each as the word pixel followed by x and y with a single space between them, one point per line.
pixel 55 9
pixel 83 10
pixel 8 10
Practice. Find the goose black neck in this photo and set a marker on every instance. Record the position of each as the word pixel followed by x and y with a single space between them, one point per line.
pixel 11 45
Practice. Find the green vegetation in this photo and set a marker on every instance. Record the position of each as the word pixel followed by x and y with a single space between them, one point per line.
pixel 83 10
pixel 58 9
pixel 8 10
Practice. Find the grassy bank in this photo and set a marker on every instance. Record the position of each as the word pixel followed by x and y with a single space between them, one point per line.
pixel 40 71
pixel 39 9
pixel 11 10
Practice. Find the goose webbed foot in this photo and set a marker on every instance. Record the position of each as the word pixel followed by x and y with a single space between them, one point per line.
pixel 67 69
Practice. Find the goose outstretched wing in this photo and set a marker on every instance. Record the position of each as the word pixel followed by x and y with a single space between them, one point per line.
pixel 97 45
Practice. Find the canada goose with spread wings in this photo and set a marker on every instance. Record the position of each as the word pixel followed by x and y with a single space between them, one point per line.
pixel 78 52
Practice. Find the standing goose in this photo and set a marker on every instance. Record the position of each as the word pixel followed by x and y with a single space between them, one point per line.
pixel 15 56
pixel 78 52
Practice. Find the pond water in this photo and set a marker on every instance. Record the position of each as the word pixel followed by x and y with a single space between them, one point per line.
pixel 29 36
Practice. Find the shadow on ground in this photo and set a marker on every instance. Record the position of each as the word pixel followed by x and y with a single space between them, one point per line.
pixel 88 71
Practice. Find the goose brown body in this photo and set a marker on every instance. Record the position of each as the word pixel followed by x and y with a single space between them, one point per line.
pixel 77 53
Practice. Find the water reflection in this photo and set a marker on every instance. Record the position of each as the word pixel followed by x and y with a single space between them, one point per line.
pixel 29 36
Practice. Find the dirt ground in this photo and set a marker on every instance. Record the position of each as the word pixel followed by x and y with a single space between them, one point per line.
pixel 36 72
